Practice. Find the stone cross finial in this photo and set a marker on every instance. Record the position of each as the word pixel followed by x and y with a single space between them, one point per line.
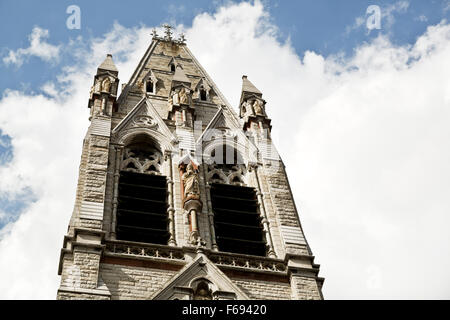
pixel 168 31
pixel 182 38
pixel 154 34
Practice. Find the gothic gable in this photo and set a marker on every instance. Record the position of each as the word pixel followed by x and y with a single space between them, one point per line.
pixel 223 129
pixel 144 118
pixel 199 280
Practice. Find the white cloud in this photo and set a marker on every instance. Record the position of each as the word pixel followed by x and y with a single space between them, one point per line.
pixel 38 47
pixel 365 141
pixel 47 134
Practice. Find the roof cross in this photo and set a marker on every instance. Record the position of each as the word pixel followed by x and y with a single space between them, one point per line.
pixel 154 33
pixel 168 31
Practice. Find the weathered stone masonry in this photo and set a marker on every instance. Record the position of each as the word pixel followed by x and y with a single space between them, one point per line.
pixel 159 215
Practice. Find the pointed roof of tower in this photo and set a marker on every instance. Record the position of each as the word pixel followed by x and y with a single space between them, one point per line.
pixel 247 86
pixel 108 64
pixel 180 76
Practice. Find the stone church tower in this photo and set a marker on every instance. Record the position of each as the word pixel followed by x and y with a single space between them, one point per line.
pixel 178 196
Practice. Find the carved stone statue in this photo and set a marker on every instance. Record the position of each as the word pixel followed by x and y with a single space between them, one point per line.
pixel 184 99
pixel 106 85
pixel 203 292
pixel 258 107
pixel 247 108
pixel 97 86
pixel 191 181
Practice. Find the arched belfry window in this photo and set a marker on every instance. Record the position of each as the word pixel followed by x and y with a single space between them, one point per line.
pixel 237 220
pixel 142 197
pixel 172 67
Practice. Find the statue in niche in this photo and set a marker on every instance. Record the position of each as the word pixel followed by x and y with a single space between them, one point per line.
pixel 203 292
pixel 184 99
pixel 191 181
pixel 106 85
pixel 247 107
pixel 258 107
pixel 174 98
pixel 170 100
pixel 97 86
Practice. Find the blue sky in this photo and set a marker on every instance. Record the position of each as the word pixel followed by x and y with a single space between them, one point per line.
pixel 320 26
pixel 366 152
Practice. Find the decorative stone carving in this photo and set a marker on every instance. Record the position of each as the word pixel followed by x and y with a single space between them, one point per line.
pixel 184 98
pixel 203 292
pixel 247 108
pixel 191 182
pixel 144 121
pixel 97 86
pixel 142 161
pixel 106 85
pixel 227 174
pixel 91 92
pixel 258 107
pixel 179 96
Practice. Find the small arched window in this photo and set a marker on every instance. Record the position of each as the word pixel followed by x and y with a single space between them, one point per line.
pixel 172 67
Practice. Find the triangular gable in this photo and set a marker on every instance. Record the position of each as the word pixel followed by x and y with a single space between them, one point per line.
pixel 151 75
pixel 222 121
pixel 214 87
pixel 182 285
pixel 205 84
pixel 172 61
pixel 139 69
pixel 144 115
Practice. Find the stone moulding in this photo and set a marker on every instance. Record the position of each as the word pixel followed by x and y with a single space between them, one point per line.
pixel 144 250
pixel 172 254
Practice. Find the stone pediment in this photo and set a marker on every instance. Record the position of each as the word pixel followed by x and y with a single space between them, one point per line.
pixel 200 279
pixel 223 129
pixel 204 83
pixel 150 75
pixel 144 117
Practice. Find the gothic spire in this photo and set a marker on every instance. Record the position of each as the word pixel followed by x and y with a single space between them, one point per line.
pixel 107 64
pixel 249 87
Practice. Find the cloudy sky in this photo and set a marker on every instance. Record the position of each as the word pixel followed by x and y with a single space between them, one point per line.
pixel 360 117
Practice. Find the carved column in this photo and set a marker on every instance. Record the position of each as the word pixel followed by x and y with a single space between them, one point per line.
pixel 171 209
pixel 119 152
pixel 265 221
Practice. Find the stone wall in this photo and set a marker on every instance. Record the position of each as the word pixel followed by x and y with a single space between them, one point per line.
pixel 264 290
pixel 130 282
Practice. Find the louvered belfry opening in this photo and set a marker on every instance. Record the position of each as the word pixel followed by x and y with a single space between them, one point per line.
pixel 236 219
pixel 142 198
pixel 142 208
